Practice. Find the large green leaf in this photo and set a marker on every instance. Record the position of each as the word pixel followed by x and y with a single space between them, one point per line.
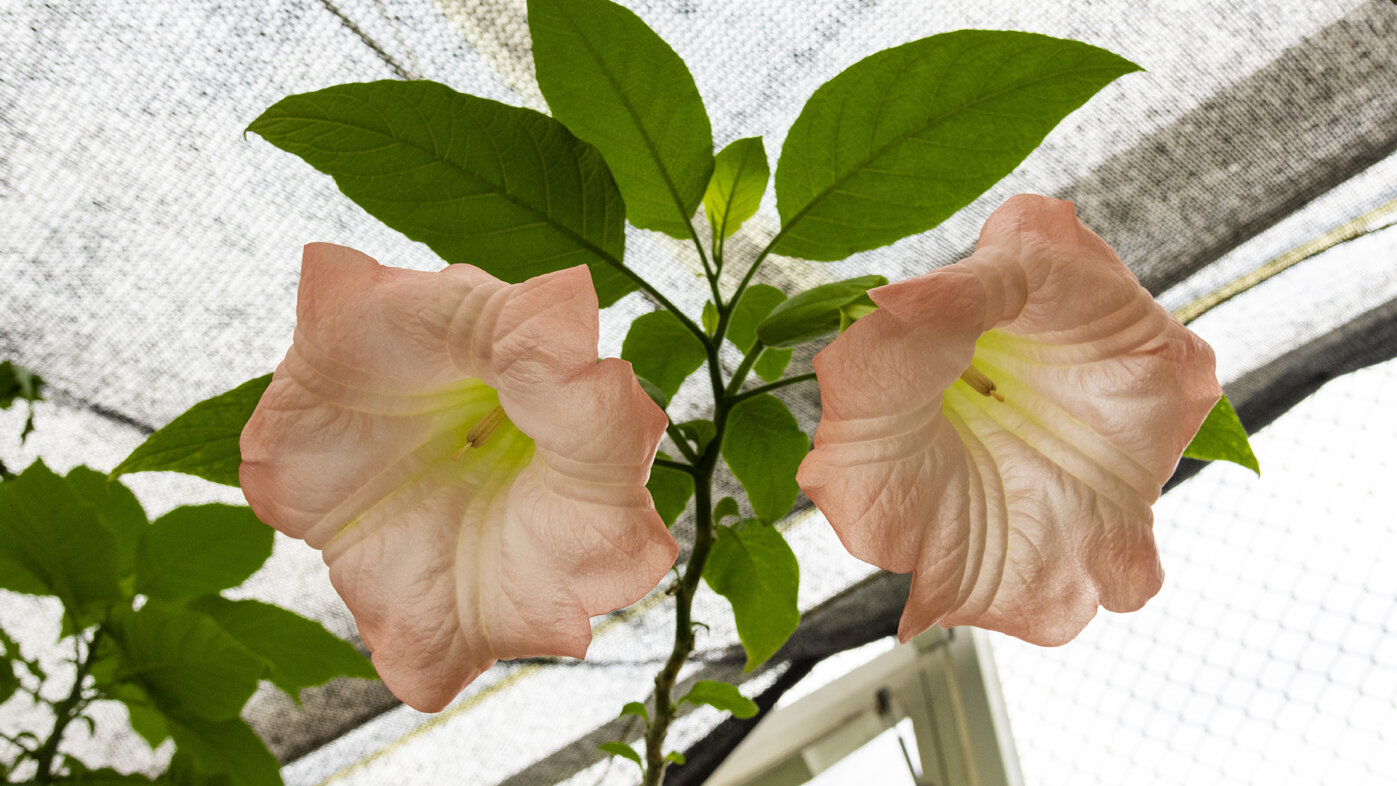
pixel 204 440
pixel 815 312
pixel 506 189
pixel 740 175
pixel 201 549
pixel 763 445
pixel 221 749
pixel 53 543
pixel 119 509
pixel 722 696
pixel 299 652
pixel 752 566
pixel 184 661
pixel 904 138
pixel 1222 438
pixel 662 350
pixel 615 83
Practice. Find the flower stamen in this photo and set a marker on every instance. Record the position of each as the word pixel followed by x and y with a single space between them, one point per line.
pixel 982 384
pixel 481 431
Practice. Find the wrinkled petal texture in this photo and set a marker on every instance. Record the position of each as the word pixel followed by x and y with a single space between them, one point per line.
pixel 1020 516
pixel 451 559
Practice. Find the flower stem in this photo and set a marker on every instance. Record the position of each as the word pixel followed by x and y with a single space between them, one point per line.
pixel 64 713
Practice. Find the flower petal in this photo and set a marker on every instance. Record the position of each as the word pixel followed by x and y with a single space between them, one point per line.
pixel 1021 515
pixel 451 557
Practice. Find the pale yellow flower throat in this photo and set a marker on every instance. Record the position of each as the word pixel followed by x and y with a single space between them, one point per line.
pixel 481 431
pixel 982 384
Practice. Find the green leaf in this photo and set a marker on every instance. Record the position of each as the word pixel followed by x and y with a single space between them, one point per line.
pixel 1223 438
pixel 653 391
pixel 699 432
pixel 637 709
pixel 227 748
pixel 722 696
pixel 814 312
pixel 740 174
pixel 198 550
pixel 55 544
pixel 615 83
pixel 726 508
pixel 149 723
pixel 9 681
pixel 299 652
pixel 763 446
pixel 752 566
pixel 670 489
pixel 675 757
pixel 622 749
pixel 119 509
pixel 756 303
pixel 772 363
pixel 204 440
pixel 506 189
pixel 662 350
pixel 904 138
pixel 184 661
pixel 18 382
pixel 709 317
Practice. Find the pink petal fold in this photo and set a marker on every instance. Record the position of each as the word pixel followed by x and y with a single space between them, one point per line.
pixel 1024 515
pixel 453 557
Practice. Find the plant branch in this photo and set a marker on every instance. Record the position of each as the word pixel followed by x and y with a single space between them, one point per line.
pixel 64 713
pixel 780 383
pixel 679 465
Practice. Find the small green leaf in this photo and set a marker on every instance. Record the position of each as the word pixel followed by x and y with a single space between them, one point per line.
pixel 1222 437
pixel 904 138
pixel 121 512
pixel 299 652
pixel 184 661
pixel 675 757
pixel 18 382
pixel 198 550
pixel 740 175
pixel 622 749
pixel 204 440
pixel 670 489
pixel 814 312
pixel 763 446
pixel 637 709
pixel 55 544
pixel 226 748
pixel 753 567
pixel 710 317
pixel 722 696
pixel 506 189
pixel 725 509
pixel 756 303
pixel 9 681
pixel 700 432
pixel 616 84
pixel 662 350
pixel 653 391
pixel 772 363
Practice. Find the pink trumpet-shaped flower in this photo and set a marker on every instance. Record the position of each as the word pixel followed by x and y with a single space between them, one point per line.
pixel 474 477
pixel 1000 427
